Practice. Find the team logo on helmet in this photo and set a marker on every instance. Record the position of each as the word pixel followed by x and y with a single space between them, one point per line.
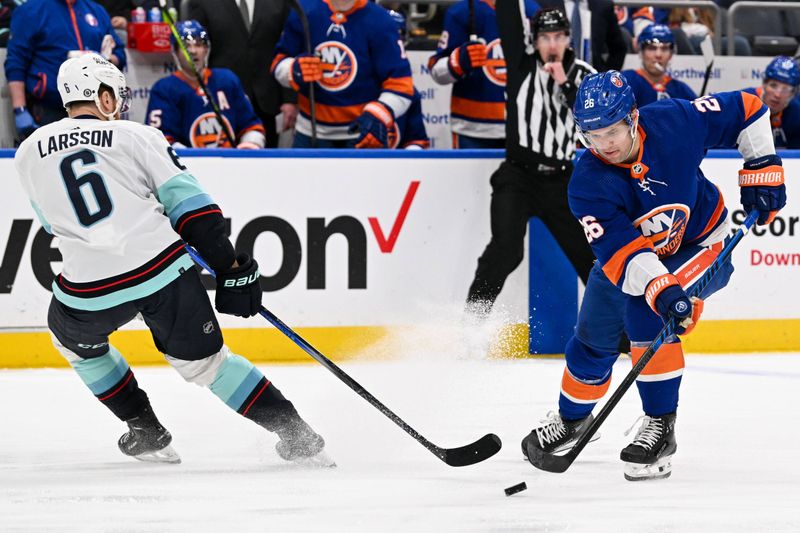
pixel 91 20
pixel 339 65
pixel 616 81
pixel 206 132
pixel 495 68
pixel 664 226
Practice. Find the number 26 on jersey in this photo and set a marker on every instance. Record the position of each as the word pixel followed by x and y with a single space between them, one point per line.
pixel 592 228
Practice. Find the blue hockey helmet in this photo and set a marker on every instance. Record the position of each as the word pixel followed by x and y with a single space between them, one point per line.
pixel 603 99
pixel 400 20
pixel 784 69
pixel 190 31
pixel 657 34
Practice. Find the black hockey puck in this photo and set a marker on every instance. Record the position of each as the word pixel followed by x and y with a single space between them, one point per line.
pixel 519 487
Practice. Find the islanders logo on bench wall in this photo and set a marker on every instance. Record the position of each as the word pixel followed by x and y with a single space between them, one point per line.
pixel 664 226
pixel 339 65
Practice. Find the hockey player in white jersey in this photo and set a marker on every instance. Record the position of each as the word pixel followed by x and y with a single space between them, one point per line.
pixel 121 204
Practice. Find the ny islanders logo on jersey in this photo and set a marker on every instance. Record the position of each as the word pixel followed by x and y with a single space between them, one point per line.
pixel 206 132
pixel 664 226
pixel 339 65
pixel 495 68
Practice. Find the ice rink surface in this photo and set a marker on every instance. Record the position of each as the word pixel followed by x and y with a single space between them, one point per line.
pixel 737 466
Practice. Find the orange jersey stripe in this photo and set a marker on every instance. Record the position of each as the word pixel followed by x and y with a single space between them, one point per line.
pixel 752 105
pixel 330 113
pixel 478 110
pixel 399 85
pixel 583 391
pixel 614 267
pixel 668 358
pixel 254 127
pixel 278 59
pixel 714 216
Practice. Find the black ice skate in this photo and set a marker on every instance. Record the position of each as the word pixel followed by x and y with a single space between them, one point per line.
pixel 649 456
pixel 147 440
pixel 556 435
pixel 300 444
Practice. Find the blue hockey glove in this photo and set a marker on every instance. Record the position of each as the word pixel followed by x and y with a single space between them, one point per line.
pixel 238 289
pixel 306 69
pixel 373 126
pixel 24 122
pixel 666 298
pixel 762 187
pixel 466 58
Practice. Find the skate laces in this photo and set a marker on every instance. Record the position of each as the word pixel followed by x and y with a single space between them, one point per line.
pixel 649 432
pixel 552 430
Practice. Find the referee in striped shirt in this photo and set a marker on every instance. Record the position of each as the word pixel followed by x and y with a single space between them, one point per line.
pixel 543 76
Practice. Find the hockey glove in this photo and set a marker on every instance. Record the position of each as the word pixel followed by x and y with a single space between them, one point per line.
pixel 666 298
pixel 306 69
pixel 24 122
pixel 762 187
pixel 238 289
pixel 466 58
pixel 373 126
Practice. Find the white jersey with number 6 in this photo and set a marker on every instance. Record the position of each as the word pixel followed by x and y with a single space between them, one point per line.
pixel 107 190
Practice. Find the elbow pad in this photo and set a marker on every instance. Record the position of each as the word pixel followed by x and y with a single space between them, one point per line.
pixel 206 230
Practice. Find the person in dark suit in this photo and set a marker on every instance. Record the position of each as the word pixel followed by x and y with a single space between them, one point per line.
pixel 603 45
pixel 244 33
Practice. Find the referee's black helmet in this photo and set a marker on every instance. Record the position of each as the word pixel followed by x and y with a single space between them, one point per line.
pixel 550 19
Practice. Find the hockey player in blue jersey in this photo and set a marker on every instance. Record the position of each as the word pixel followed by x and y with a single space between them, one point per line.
pixel 651 82
pixel 409 128
pixel 179 107
pixel 361 73
pixel 778 92
pixel 655 224
pixel 476 67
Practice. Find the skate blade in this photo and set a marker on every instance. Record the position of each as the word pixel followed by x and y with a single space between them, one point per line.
pixel 321 460
pixel 661 469
pixel 164 455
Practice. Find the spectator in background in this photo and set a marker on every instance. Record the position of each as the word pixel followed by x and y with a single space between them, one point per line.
pixel 179 107
pixel 409 128
pixel 471 59
pixel 44 33
pixel 651 82
pixel 596 36
pixel 698 23
pixel 781 79
pixel 362 76
pixel 245 33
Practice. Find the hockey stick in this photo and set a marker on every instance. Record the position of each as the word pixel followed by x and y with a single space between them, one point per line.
pixel 707 47
pixel 560 463
pixel 473 35
pixel 478 451
pixel 311 95
pixel 167 16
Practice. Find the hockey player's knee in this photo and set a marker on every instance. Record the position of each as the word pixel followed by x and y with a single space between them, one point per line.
pixel 587 362
pixel 204 371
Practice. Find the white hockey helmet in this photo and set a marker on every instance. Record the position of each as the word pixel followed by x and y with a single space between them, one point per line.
pixel 80 79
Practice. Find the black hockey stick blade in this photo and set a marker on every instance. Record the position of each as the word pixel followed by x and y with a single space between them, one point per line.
pixel 478 451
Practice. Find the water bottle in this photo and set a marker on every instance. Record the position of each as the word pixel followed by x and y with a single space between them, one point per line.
pixel 154 15
pixel 138 15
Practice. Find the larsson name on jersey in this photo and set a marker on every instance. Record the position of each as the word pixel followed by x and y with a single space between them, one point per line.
pixel 63 141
